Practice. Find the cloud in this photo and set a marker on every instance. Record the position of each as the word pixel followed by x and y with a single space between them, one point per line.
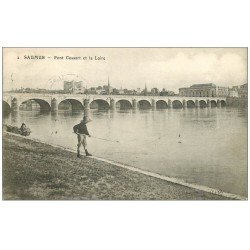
pixel 184 70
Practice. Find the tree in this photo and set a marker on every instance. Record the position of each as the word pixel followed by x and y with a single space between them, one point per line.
pixel 155 91
pixel 115 91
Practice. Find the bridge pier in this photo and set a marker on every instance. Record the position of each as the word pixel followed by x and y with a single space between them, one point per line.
pixel 197 104
pixel 54 106
pixel 14 105
pixel 219 104
pixel 134 104
pixel 184 104
pixel 170 105
pixel 153 103
pixel 208 104
pixel 86 108
pixel 112 104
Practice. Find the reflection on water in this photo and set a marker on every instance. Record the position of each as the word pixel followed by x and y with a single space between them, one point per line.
pixel 203 146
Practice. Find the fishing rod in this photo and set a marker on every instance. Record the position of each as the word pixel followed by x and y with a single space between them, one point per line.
pixel 104 139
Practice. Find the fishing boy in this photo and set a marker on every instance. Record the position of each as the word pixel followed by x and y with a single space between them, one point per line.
pixel 82 131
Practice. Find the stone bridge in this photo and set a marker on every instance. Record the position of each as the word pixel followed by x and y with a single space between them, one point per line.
pixel 54 102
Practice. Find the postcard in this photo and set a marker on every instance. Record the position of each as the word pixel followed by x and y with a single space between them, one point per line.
pixel 125 123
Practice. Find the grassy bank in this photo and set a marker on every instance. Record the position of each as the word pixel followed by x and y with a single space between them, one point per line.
pixel 36 171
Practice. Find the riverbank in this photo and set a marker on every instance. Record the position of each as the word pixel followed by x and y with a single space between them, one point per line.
pixel 37 171
pixel 236 102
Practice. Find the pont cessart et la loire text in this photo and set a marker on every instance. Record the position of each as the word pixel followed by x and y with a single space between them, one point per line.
pixel 39 57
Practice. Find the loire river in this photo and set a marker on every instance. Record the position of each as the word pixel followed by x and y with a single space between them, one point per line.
pixel 211 149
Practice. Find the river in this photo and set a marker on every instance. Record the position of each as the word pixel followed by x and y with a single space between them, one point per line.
pixel 203 146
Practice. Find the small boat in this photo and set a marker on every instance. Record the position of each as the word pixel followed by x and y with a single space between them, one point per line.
pixel 14 129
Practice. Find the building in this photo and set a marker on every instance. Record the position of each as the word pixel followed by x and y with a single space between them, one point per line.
pixel 171 93
pixel 138 91
pixel 155 91
pixel 242 91
pixel 92 91
pixel 74 86
pixel 233 92
pixel 129 92
pixel 99 90
pixel 165 92
pixel 121 91
pixel 204 90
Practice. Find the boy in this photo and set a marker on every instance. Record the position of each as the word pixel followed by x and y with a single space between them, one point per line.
pixel 82 131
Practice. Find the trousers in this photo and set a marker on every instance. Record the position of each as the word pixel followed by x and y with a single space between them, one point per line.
pixel 81 140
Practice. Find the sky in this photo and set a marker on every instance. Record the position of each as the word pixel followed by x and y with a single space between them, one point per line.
pixel 131 68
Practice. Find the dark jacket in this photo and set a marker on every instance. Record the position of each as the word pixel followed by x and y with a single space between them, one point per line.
pixel 81 128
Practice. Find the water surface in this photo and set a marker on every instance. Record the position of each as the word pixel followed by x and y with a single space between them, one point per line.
pixel 203 146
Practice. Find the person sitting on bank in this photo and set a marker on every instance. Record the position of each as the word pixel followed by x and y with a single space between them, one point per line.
pixel 24 129
pixel 82 131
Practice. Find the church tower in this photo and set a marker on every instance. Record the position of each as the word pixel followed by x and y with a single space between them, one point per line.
pixel 145 90
pixel 108 87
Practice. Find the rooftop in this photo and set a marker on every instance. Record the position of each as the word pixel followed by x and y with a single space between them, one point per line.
pixel 203 85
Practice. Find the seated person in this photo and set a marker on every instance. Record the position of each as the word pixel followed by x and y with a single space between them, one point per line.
pixel 24 130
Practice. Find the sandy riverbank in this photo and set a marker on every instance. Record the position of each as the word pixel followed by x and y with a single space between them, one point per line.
pixel 36 171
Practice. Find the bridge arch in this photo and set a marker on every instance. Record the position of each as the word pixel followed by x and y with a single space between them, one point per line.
pixel 177 104
pixel 99 104
pixel 34 104
pixel 190 104
pixel 123 104
pixel 6 107
pixel 213 103
pixel 161 104
pixel 70 104
pixel 223 103
pixel 144 104
pixel 202 104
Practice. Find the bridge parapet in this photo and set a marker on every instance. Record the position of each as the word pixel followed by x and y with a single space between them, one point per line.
pixel 85 96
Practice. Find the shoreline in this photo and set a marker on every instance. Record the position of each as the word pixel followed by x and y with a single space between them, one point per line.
pixel 152 177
